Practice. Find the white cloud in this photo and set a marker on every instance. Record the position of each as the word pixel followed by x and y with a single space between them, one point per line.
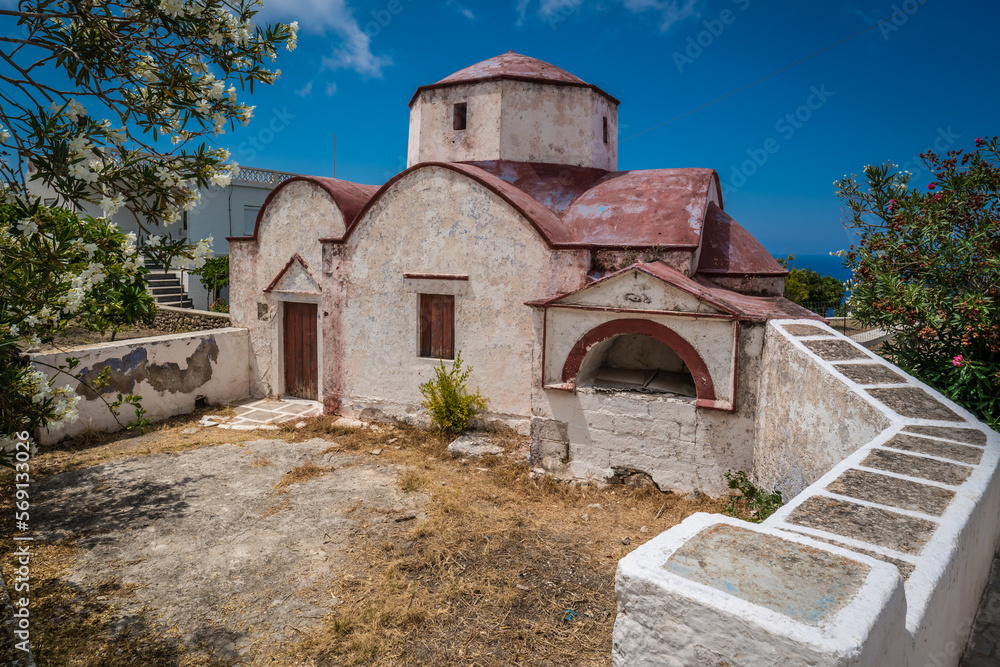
pixel 671 11
pixel 461 9
pixel 305 91
pixel 331 89
pixel 337 16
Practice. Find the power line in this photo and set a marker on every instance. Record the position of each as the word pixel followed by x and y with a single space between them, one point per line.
pixel 773 74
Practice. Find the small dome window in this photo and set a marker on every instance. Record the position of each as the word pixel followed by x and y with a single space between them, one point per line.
pixel 461 119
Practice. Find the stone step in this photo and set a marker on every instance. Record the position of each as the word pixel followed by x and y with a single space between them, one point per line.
pixel 166 290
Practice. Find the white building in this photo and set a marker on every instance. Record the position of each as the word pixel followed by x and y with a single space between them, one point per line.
pixel 223 212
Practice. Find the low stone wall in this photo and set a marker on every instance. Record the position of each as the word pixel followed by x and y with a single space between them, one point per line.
pixel 880 560
pixel 178 320
pixel 172 373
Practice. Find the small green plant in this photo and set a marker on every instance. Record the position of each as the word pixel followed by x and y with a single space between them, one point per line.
pixel 752 504
pixel 446 399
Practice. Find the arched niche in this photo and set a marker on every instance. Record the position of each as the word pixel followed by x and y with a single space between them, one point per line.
pixel 621 350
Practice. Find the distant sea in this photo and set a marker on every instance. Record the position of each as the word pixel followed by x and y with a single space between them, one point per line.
pixel 823 264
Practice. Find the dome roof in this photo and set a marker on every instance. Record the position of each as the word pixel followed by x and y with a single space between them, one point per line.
pixel 513 66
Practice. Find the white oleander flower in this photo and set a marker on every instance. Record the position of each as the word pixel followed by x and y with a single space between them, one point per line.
pixel 111 205
pixel 172 7
pixel 28 226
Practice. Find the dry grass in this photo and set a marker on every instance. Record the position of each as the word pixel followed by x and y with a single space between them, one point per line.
pixel 302 473
pixel 499 567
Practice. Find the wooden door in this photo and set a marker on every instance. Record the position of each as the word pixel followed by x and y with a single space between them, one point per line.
pixel 301 351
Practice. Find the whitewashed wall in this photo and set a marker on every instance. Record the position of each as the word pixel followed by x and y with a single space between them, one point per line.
pixel 515 120
pixel 170 373
pixel 437 221
pixel 299 215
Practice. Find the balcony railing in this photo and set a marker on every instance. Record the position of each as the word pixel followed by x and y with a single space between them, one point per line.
pixel 267 178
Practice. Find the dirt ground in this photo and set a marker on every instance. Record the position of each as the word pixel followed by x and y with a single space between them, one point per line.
pixel 323 546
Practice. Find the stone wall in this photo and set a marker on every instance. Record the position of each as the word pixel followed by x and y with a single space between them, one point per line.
pixel 180 320
pixel 172 374
pixel 880 560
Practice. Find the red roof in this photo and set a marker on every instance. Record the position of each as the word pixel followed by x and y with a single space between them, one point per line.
pixel 729 249
pixel 511 66
pixel 580 207
pixel 350 198
pixel 621 209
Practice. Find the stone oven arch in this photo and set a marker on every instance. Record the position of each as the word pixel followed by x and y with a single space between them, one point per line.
pixel 704 386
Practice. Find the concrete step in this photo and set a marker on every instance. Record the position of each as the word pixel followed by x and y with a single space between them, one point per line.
pixel 166 291
pixel 186 303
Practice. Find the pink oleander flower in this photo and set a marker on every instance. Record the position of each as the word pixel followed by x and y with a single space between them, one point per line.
pixel 892 202
pixel 937 196
pixel 931 186
pixel 956 361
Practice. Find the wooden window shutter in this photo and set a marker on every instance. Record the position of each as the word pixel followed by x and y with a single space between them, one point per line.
pixel 437 326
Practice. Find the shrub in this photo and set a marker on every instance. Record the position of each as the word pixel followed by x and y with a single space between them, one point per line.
pixel 446 399
pixel 220 306
pixel 752 504
pixel 214 275
pixel 927 267
pixel 808 286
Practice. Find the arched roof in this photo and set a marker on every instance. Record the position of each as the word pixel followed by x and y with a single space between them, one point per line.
pixel 583 208
pixel 349 197
pixel 513 66
pixel 579 207
pixel 730 249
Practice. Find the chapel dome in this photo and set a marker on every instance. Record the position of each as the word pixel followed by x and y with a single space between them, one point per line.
pixel 516 108
pixel 512 66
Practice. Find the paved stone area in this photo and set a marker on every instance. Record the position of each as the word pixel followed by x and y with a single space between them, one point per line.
pixel 982 650
pixel 265 414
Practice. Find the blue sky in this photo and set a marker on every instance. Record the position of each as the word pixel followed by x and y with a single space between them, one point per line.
pixel 927 78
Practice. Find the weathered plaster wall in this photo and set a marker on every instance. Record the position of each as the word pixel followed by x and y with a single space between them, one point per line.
pixel 589 434
pixel 169 372
pixel 807 420
pixel 558 125
pixel 435 221
pixel 293 223
pixel 515 120
pixel 433 137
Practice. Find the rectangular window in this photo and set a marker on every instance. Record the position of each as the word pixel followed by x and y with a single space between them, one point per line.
pixel 605 129
pixel 461 115
pixel 50 202
pixel 249 219
pixel 437 326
